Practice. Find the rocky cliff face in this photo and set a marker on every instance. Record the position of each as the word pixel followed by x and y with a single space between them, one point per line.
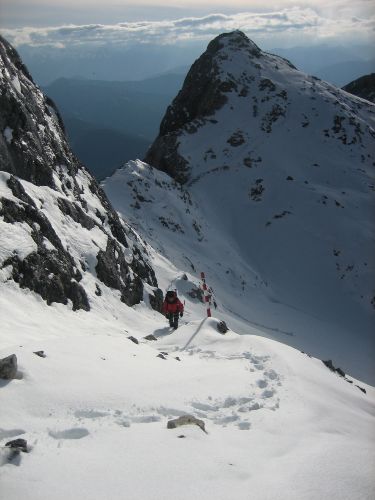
pixel 59 235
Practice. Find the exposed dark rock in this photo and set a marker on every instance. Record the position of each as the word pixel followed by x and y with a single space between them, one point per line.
pixel 160 355
pixel 203 92
pixel 186 420
pixel 257 190
pixel 150 337
pixel 8 367
pixel 41 354
pixel 163 155
pixel 156 300
pixel 51 273
pixel 222 327
pixel 196 293
pixel 133 339
pixel 113 270
pixel 18 444
pixel 329 365
pixel 33 148
pixel 74 211
pixel 361 389
pixel 339 371
pixel 267 84
pixel 236 139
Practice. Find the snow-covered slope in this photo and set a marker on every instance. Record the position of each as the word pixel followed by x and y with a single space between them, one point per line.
pixel 276 203
pixel 94 412
pixel 60 237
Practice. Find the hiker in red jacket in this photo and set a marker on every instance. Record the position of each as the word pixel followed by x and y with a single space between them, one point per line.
pixel 172 308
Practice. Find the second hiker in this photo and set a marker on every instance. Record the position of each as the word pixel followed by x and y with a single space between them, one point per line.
pixel 172 308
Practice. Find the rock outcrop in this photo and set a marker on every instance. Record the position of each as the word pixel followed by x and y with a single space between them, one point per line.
pixel 59 229
pixel 8 367
pixel 186 420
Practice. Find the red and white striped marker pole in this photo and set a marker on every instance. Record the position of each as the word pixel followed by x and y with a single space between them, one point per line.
pixel 206 295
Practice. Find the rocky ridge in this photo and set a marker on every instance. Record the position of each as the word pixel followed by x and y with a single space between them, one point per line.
pixel 61 237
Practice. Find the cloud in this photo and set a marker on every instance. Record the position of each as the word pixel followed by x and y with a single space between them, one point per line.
pixel 300 22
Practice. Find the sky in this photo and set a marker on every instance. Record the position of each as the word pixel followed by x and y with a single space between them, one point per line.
pixel 62 23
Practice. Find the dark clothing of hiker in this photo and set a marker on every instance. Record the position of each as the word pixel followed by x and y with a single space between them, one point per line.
pixel 172 308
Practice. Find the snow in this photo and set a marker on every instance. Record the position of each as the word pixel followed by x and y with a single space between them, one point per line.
pixel 8 134
pixel 15 240
pixel 52 122
pixel 16 84
pixel 274 417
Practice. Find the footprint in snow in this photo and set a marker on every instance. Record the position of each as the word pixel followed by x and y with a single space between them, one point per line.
pixel 90 414
pixel 268 393
pixel 244 426
pixel 271 374
pixel 204 406
pixel 262 383
pixel 74 433
pixel 145 419
pixel 252 407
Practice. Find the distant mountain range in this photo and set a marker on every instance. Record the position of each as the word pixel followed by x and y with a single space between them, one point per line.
pixel 113 63
pixel 363 87
pixel 102 150
pixel 336 65
pixel 112 122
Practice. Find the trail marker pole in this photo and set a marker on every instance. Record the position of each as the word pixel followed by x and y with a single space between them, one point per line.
pixel 206 295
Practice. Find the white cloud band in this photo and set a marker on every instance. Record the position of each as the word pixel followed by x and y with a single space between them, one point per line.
pixel 292 21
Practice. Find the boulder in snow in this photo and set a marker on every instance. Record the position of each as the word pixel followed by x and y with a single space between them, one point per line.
pixel 329 365
pixel 41 354
pixel 156 300
pixel 222 327
pixel 186 420
pixel 8 367
pixel 150 337
pixel 133 339
pixel 18 445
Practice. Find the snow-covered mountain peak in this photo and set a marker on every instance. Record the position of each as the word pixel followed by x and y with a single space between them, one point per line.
pixel 279 169
pixel 224 46
pixel 62 239
pixel 239 96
